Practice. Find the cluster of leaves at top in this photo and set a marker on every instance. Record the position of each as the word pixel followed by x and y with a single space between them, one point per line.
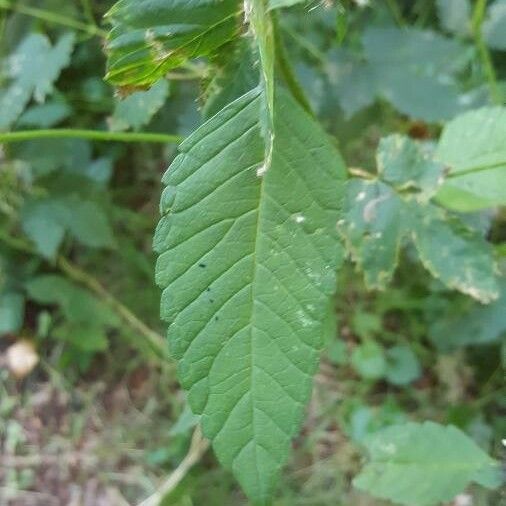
pixel 254 211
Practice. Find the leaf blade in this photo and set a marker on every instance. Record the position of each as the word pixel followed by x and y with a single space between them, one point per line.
pixel 247 305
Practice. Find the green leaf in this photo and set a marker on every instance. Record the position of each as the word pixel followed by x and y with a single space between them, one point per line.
pixel 403 366
pixel 368 359
pixel 137 109
pixel 493 27
pixel 77 304
pixel 46 220
pixel 150 37
pixel 413 69
pixel 379 217
pixel 248 254
pixel 277 4
pixel 32 70
pixel 455 16
pixel 45 115
pixel 238 75
pixel 478 325
pixel 461 258
pixel 422 464
pixel 473 146
pixel 12 309
pixel 403 164
pixel 372 228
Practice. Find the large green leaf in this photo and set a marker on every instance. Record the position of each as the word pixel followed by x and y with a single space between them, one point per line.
pixel 150 37
pixel 473 146
pixel 423 464
pixel 248 255
pixel 32 70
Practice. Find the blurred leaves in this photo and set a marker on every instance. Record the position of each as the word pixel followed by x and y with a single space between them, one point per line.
pixel 32 70
pixel 137 109
pixel 473 147
pixel 423 464
pixel 382 213
pixel 413 69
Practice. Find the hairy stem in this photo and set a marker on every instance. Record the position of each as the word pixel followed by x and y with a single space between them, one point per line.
pixel 53 17
pixel 95 135
pixel 483 52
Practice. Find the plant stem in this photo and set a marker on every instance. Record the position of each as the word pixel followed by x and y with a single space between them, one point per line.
pixel 95 135
pixel 484 53
pixel 396 12
pixel 53 17
pixel 198 447
pixel 472 170
pixel 156 341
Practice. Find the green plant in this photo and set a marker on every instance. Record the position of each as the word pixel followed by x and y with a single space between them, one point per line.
pixel 247 240
pixel 259 213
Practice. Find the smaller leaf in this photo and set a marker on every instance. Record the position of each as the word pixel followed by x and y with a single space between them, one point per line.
pixel 403 164
pixel 478 325
pixel 493 28
pixel 423 464
pixel 46 220
pixel 459 257
pixel 403 366
pixel 45 115
pixel 33 68
pixel 372 227
pixel 473 147
pixel 368 359
pixel 137 109
pixel 455 15
pixel 12 308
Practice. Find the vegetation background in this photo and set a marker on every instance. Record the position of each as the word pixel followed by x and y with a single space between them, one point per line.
pixel 90 409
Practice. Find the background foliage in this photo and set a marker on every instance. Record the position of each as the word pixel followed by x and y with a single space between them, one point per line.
pixel 101 419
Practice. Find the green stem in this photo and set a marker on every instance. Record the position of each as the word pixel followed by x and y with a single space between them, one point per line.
pixel 396 12
pixel 53 17
pixel 472 170
pixel 95 135
pixel 72 271
pixel 287 70
pixel 486 59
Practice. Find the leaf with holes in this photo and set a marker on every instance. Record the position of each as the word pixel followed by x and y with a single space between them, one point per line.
pixel 248 256
pixel 150 37
pixel 138 108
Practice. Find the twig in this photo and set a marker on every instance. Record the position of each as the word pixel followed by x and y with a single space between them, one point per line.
pixel 198 447
pixel 157 342
pixel 83 278
pixel 486 59
pixel 95 135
